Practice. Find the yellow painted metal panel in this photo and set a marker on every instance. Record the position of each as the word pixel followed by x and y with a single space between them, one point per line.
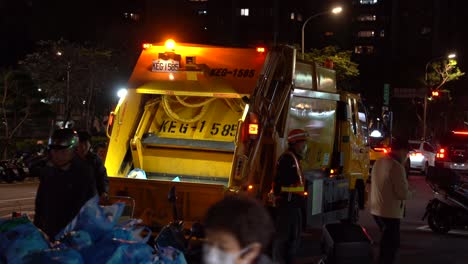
pixel 123 128
pixel 219 123
pixel 238 68
pixel 187 162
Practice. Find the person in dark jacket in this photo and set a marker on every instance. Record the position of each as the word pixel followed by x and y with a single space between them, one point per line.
pixel 84 152
pixel 288 192
pixel 66 184
pixel 238 230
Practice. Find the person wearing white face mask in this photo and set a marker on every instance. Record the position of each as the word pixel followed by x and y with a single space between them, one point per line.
pixel 238 229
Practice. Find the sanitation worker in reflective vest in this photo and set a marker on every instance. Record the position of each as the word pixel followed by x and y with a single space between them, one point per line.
pixel 288 190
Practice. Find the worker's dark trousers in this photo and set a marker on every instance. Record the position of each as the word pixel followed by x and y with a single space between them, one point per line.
pixel 390 240
pixel 288 222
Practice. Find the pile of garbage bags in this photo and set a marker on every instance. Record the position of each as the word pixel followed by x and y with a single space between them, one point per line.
pixel 93 236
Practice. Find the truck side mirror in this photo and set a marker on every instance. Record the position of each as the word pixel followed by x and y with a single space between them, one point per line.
pixel 171 196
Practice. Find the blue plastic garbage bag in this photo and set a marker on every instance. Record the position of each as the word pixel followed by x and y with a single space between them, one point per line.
pixel 20 237
pixel 131 230
pixel 95 219
pixel 125 243
pixel 54 256
pixel 169 255
pixel 118 251
pixel 76 240
pixel 133 234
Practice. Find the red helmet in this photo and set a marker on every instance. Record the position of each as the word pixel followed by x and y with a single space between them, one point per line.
pixel 297 135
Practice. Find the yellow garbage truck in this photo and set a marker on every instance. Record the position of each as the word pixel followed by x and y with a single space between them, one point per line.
pixel 212 121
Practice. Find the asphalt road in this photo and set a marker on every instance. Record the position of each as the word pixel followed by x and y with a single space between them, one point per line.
pixel 418 243
pixel 17 197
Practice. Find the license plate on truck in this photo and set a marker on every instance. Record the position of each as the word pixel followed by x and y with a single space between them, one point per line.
pixel 165 65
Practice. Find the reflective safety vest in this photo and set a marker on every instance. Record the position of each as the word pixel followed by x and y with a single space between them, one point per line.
pixel 299 186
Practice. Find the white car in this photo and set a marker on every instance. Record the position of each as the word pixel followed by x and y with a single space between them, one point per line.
pixel 421 155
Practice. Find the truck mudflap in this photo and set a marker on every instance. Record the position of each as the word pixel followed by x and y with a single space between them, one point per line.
pixel 152 205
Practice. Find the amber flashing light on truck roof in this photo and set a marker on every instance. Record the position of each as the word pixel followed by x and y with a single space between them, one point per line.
pixel 170 44
pixel 261 49
pixel 147 45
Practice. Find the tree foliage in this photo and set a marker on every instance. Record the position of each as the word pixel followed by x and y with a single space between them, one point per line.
pixel 441 72
pixel 346 70
pixel 19 102
pixel 72 75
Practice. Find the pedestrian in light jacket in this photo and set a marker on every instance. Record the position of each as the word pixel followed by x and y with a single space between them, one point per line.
pixel 389 191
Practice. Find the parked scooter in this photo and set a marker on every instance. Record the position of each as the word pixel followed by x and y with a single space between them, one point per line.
pixel 9 171
pixel 449 208
pixel 175 235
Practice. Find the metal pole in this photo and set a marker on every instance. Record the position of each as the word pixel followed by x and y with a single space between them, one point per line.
pixel 424 117
pixel 303 27
pixel 425 96
pixel 67 100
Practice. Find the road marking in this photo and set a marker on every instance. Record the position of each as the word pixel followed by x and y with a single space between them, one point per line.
pixel 454 232
pixel 15 200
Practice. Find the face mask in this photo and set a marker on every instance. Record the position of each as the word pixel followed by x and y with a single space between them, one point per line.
pixel 214 255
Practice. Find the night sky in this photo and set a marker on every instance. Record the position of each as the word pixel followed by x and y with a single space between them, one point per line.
pixel 23 22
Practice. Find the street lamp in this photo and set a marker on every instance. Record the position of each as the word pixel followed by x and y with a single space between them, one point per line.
pixel 426 82
pixel 335 11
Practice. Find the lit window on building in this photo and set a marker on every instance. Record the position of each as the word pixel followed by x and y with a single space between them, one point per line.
pixel 202 12
pixel 364 49
pixel 292 16
pixel 132 16
pixel 363 18
pixel 426 30
pixel 366 33
pixel 244 12
pixel 368 2
pixel 329 33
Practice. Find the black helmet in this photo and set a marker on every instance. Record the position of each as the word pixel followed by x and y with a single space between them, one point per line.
pixel 63 139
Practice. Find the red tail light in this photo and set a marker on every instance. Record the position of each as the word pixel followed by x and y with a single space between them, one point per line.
pixel 441 154
pixel 261 49
pixel 147 45
pixel 110 122
pixel 251 128
pixel 111 119
pixel 465 133
pixel 384 150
